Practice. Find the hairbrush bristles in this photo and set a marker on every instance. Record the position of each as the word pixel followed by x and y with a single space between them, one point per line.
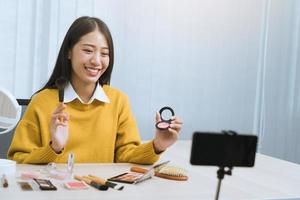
pixel 167 172
pixel 157 169
pixel 173 171
pixel 61 83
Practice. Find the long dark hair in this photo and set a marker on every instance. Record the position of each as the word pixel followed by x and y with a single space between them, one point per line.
pixel 80 27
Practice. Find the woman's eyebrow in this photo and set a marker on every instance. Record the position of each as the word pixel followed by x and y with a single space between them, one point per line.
pixel 94 46
pixel 90 45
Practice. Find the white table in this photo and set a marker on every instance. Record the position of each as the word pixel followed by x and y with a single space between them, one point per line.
pixel 271 178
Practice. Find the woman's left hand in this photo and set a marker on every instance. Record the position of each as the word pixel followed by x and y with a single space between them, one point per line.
pixel 165 138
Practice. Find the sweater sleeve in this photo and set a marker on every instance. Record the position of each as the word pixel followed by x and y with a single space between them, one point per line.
pixel 128 142
pixel 26 146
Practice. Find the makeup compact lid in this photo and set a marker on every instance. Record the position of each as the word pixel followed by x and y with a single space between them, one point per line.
pixel 166 113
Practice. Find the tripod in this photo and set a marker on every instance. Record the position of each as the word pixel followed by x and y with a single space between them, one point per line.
pixel 220 174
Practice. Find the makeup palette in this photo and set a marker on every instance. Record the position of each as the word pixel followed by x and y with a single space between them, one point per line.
pixel 165 122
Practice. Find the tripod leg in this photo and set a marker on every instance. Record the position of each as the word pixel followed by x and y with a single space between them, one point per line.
pixel 218 189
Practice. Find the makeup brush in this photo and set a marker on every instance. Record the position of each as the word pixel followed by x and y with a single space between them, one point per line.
pixel 91 182
pixel 105 182
pixel 61 83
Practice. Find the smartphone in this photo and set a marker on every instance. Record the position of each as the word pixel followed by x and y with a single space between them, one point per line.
pixel 218 149
pixel 45 184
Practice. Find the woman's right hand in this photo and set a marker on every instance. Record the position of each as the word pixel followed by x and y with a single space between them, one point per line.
pixel 59 128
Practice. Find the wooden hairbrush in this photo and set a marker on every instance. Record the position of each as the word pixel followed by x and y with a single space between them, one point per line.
pixel 167 172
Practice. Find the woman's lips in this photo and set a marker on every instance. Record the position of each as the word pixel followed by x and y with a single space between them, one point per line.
pixel 92 71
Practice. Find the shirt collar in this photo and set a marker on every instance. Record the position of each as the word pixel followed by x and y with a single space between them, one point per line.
pixel 99 94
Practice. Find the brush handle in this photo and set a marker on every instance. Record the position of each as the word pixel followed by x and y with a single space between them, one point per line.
pixel 61 83
pixel 96 184
pixel 80 178
pixel 170 177
pixel 61 95
pixel 97 179
pixel 105 182
pixel 138 170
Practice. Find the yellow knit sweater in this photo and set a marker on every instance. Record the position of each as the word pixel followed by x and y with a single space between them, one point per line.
pixel 98 132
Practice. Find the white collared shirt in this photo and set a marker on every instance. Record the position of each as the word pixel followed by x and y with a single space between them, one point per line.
pixel 99 94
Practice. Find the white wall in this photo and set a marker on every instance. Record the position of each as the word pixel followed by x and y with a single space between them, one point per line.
pixel 211 60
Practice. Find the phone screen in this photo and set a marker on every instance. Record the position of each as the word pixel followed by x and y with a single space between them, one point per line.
pixel 219 149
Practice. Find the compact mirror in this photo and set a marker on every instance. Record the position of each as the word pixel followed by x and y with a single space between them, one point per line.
pixel 10 111
pixel 166 114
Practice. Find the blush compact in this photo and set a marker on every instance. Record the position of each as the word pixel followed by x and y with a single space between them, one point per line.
pixel 166 114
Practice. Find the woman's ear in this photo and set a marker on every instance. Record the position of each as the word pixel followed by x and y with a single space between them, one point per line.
pixel 69 54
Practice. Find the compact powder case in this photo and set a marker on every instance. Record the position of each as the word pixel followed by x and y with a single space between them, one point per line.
pixel 164 124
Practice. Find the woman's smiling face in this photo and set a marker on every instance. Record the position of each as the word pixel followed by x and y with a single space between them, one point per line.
pixel 89 58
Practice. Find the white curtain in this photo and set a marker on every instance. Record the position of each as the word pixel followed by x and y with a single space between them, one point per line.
pixel 278 88
pixel 221 64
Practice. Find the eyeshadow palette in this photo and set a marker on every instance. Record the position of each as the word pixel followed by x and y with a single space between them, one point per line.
pixel 128 177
